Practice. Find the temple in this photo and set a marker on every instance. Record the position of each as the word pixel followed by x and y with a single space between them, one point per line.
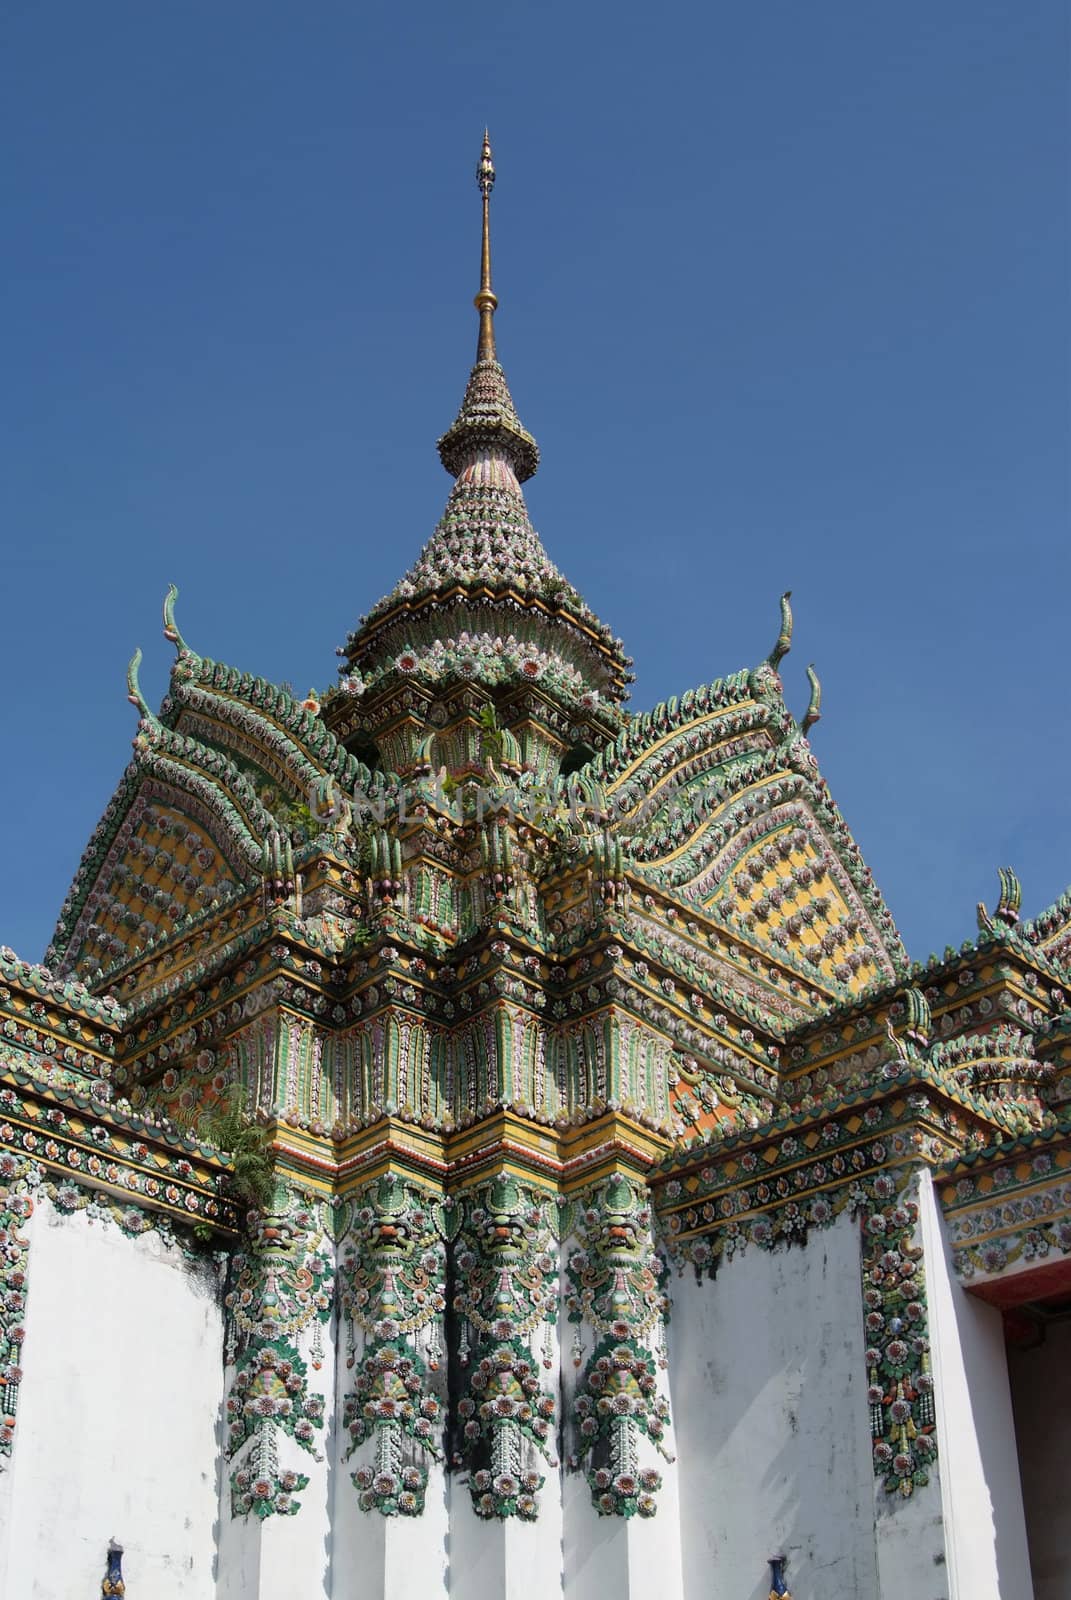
pixel 471 1139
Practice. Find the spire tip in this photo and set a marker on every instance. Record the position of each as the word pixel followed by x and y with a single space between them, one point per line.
pixel 486 300
pixel 485 170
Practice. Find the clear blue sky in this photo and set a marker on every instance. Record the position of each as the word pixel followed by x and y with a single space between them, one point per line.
pixel 784 299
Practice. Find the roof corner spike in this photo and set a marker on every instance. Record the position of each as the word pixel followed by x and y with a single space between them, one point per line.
pixel 784 638
pixel 1011 896
pixel 486 301
pixel 814 704
pixel 133 687
pixel 1006 914
pixel 919 1027
pixel 171 632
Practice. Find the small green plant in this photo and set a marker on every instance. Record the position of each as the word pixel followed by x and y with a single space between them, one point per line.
pixel 299 818
pixel 491 735
pixel 229 1127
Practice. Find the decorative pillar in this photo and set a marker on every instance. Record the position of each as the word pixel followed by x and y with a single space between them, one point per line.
pixel 899 1378
pixel 902 1398
pixel 620 1460
pixel 17 1178
pixel 279 1361
pixel 390 1514
pixel 506 1529
pixel 16 1208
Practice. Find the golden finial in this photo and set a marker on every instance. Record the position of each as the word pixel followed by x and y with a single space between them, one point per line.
pixel 486 301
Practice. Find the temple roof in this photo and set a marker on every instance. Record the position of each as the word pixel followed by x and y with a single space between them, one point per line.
pixel 717 799
pixel 229 764
pixel 485 571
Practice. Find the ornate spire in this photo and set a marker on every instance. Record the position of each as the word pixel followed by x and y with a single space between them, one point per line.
pixel 483 599
pixel 487 423
pixel 486 301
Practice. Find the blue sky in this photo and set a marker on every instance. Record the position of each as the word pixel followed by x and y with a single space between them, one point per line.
pixel 784 298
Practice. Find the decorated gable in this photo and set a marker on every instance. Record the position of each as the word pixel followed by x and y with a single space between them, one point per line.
pixel 719 799
pixel 167 862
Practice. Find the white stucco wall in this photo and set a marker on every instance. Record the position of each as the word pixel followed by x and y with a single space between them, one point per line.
pixel 119 1416
pixel 1041 1403
pixel 985 1532
pixel 119 1434
pixel 768 1384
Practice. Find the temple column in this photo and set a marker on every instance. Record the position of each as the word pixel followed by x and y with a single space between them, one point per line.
pixel 390 1501
pixel 621 1515
pixel 274 1517
pixel 985 1541
pixel 506 1515
pixel 16 1214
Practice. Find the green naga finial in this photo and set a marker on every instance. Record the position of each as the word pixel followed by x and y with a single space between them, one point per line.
pixel 814 704
pixel 919 1024
pixel 784 638
pixel 170 626
pixel 133 687
pixel 330 808
pixel 1011 896
pixel 1008 906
